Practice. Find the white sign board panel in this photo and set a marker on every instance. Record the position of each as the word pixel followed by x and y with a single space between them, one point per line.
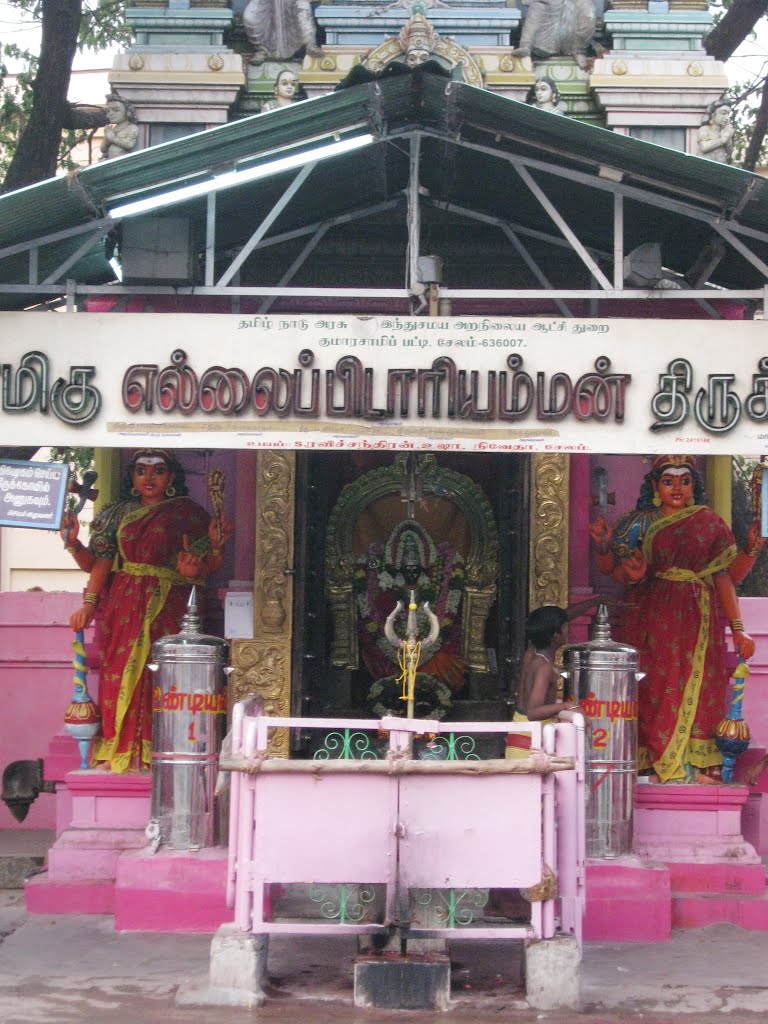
pixel 340 382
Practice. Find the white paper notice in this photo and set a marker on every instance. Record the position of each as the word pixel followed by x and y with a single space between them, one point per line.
pixel 238 615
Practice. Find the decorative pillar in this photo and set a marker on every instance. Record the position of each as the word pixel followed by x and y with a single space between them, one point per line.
pixel 263 665
pixel 548 553
pixel 719 485
pixel 178 72
pixel 656 80
pixel 106 462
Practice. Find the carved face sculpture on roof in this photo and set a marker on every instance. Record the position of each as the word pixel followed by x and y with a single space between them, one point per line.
pixel 417 40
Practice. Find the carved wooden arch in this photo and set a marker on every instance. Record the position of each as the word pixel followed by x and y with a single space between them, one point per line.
pixel 481 565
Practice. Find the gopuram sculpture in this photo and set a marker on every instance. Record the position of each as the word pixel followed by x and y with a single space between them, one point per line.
pixel 714 140
pixel 286 88
pixel 544 95
pixel 555 28
pixel 279 29
pixel 419 42
pixel 121 132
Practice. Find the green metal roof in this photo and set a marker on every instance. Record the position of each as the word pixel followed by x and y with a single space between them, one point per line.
pixel 483 158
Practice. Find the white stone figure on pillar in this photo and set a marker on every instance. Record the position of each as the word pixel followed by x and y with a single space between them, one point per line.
pixel 558 28
pixel 286 88
pixel 545 95
pixel 278 29
pixel 714 139
pixel 121 132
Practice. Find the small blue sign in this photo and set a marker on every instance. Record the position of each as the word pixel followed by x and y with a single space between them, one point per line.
pixel 32 494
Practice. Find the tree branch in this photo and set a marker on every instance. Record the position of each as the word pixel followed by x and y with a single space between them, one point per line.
pixel 758 132
pixel 35 156
pixel 731 31
pixel 83 116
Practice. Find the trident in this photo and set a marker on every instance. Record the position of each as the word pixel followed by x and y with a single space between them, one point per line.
pixel 411 649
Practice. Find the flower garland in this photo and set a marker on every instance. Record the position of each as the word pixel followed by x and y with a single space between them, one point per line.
pixel 432 699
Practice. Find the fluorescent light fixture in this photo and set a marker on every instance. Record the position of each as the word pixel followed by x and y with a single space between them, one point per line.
pixel 234 178
pixel 117 270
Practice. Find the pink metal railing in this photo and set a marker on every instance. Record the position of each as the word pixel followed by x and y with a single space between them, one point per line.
pixel 406 824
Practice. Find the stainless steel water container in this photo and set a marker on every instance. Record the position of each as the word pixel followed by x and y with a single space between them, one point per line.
pixel 604 677
pixel 188 724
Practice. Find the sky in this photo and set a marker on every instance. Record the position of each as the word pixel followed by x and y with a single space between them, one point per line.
pixel 748 63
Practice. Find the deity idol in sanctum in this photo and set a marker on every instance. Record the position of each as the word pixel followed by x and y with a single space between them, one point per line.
pixel 410 561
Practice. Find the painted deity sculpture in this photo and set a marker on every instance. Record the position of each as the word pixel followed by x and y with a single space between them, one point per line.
pixel 544 95
pixel 121 132
pixel 163 543
pixel 678 560
pixel 286 87
pixel 714 140
pixel 411 561
pixel 558 28
pixel 278 29
pixel 417 40
pixel 418 43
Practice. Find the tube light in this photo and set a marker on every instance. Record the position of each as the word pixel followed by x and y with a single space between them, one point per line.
pixel 233 178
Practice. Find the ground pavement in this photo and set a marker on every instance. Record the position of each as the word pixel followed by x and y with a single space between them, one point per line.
pixel 76 969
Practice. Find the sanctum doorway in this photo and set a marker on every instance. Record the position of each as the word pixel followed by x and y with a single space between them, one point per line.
pixel 342 536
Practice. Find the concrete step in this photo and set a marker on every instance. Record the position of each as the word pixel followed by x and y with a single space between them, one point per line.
pixel 721 879
pixel 44 895
pixel 699 910
pixel 23 852
pixel 184 887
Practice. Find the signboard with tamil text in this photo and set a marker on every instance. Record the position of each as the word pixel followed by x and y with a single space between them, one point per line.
pixel 386 382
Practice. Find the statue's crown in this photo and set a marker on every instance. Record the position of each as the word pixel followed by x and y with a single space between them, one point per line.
pixel 684 461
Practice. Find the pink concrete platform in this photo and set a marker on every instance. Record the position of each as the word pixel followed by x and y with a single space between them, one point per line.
pixel 101 799
pixel 90 854
pixel 691 824
pixel 697 910
pixel 754 817
pixel 628 900
pixel 716 875
pixel 44 896
pixel 723 879
pixel 103 816
pixel 172 890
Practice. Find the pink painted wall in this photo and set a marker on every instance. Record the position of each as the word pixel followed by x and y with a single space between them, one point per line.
pixel 35 685
pixel 755 614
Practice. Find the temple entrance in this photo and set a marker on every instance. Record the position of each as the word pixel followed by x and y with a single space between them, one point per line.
pixel 373 528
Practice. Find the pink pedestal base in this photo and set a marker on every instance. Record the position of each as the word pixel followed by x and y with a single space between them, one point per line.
pixel 100 863
pixel 172 891
pixel 691 824
pixel 693 834
pixel 107 815
pixel 628 900
pixel 754 818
